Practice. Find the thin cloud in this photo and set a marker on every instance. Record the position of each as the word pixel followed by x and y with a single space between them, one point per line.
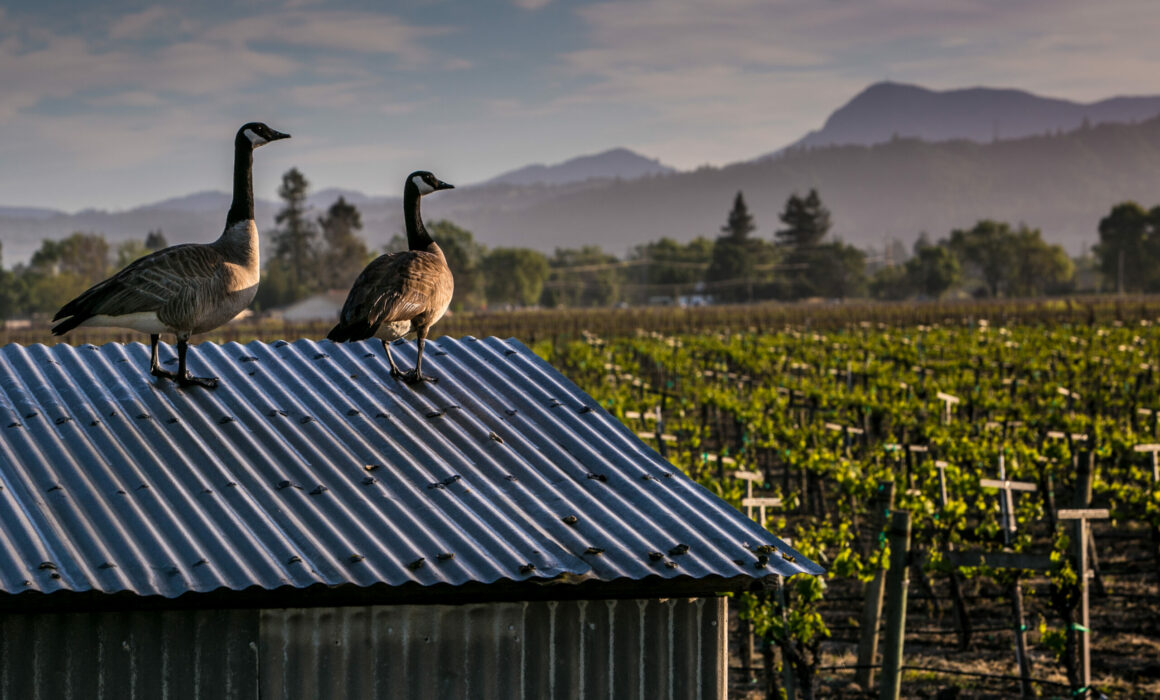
pixel 531 4
pixel 361 32
pixel 134 26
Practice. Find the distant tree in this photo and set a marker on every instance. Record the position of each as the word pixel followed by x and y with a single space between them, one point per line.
pixel 933 269
pixel 465 258
pixel 1012 262
pixel 807 221
pixel 987 250
pixel 155 240
pixel 1128 247
pixel 8 291
pixel 732 274
pixel 295 239
pixel 61 269
pixel 891 283
pixel 806 260
pixel 838 272
pixel 293 271
pixel 130 250
pixel 586 276
pixel 740 222
pixel 666 267
pixel 514 276
pixel 82 255
pixel 1040 268
pixel 344 253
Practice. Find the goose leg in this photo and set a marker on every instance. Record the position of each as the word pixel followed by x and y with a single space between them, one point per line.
pixel 416 375
pixel 154 365
pixel 395 372
pixel 184 378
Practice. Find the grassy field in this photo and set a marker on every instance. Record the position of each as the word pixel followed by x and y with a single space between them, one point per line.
pixel 532 326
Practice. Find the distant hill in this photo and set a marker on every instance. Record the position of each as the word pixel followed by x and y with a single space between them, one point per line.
pixel 888 110
pixel 1062 183
pixel 29 213
pixel 615 163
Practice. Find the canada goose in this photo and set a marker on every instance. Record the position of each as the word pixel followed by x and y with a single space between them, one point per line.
pixel 189 288
pixel 401 293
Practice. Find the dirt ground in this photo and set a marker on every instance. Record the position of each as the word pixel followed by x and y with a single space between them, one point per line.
pixel 1125 623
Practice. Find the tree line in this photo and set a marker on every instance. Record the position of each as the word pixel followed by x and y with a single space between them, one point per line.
pixel 799 260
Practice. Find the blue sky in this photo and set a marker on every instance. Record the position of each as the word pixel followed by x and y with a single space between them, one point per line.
pixel 115 104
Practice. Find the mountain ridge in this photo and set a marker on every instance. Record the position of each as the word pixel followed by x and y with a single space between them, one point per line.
pixel 887 110
pixel 613 163
pixel 1060 181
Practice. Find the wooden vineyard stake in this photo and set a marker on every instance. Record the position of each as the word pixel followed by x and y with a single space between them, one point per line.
pixel 1154 449
pixel 914 457
pixel 1009 560
pixel 872 603
pixel 941 466
pixel 896 580
pixel 960 604
pixel 1081 516
pixel 750 501
pixel 948 401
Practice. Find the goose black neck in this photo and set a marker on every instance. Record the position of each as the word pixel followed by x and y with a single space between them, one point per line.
pixel 242 207
pixel 417 236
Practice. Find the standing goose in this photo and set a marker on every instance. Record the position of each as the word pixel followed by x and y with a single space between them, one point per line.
pixel 401 293
pixel 189 288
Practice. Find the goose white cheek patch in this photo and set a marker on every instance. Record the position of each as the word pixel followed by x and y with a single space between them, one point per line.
pixel 424 188
pixel 254 138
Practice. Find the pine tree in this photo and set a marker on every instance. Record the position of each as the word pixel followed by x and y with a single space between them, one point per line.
pixel 155 240
pixel 740 223
pixel 807 221
pixel 732 271
pixel 295 239
pixel 344 252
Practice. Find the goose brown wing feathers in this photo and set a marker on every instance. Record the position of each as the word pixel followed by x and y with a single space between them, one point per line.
pixel 148 284
pixel 394 287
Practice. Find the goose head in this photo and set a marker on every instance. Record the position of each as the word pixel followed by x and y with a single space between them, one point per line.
pixel 425 183
pixel 258 134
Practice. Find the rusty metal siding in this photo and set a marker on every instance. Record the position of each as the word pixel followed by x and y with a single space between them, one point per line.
pixel 114 482
pixel 199 655
pixel 647 649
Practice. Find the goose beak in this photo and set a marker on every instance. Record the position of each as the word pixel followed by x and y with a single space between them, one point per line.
pixel 277 135
pixel 444 186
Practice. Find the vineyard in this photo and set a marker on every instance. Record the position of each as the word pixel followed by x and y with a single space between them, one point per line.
pixel 990 427
pixel 838 424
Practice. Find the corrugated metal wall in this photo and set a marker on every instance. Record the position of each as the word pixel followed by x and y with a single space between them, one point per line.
pixel 138 655
pixel 671 648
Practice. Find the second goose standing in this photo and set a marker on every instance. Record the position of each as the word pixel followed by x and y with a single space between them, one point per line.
pixel 401 293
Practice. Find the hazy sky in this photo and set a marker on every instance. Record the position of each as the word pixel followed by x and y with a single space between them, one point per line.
pixel 119 103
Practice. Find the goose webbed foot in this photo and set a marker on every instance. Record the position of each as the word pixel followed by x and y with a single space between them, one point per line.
pixel 190 380
pixel 184 378
pixel 414 377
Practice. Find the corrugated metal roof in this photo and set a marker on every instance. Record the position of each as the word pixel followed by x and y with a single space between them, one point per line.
pixel 310 465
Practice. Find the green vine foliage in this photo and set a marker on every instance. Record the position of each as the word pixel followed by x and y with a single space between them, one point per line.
pixel 835 413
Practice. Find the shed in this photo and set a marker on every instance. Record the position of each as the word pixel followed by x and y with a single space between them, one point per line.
pixel 313 528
